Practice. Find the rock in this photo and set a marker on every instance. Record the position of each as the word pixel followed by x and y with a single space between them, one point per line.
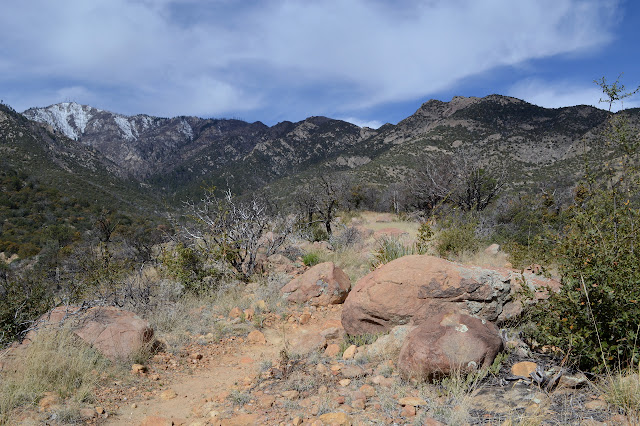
pixel 291 394
pixel 352 371
pixel 408 411
pixel 241 420
pixel 493 249
pixel 49 401
pixel 156 421
pixel 336 419
pixel 297 421
pixel 195 355
pixel 322 285
pixel 138 368
pixel 235 313
pixel 386 382
pixel 99 410
pixel 573 380
pixel 449 342
pixel 266 401
pixel 358 404
pixel 114 332
pixel 304 318
pixel 413 288
pixel 168 394
pixel 261 305
pixel 332 350
pixel 248 314
pixel 388 346
pixel 524 368
pixel 345 382
pixel 349 352
pixel 412 400
pixel 331 332
pixel 596 404
pixel 87 413
pixel 368 391
pixel 307 342
pixel 256 337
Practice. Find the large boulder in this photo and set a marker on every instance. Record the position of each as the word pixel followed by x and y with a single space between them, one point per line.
pixel 413 288
pixel 449 342
pixel 322 285
pixel 114 332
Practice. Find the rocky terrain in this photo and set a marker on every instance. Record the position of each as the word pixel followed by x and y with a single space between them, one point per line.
pixel 399 346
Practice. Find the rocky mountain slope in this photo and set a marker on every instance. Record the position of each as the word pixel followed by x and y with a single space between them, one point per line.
pixel 179 155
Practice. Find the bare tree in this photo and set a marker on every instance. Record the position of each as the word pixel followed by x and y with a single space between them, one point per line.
pixel 236 230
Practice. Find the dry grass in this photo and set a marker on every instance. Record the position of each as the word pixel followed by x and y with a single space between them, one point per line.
pixel 622 390
pixel 55 362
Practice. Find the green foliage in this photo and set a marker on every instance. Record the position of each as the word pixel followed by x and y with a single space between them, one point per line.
pixel 596 316
pixel 425 235
pixel 311 259
pixel 186 265
pixel 457 236
pixel 391 248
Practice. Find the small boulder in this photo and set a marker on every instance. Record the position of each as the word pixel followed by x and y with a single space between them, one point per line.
pixel 322 285
pixel 256 337
pixel 307 342
pixel 446 343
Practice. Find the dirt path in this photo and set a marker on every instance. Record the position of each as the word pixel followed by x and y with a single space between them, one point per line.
pixel 189 396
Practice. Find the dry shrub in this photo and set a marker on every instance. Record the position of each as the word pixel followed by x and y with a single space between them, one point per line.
pixel 622 389
pixel 57 361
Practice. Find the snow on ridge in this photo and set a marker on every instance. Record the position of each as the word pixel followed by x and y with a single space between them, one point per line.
pixel 69 118
pixel 186 129
pixel 125 127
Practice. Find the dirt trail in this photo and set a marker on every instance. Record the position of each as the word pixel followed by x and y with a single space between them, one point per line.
pixel 224 367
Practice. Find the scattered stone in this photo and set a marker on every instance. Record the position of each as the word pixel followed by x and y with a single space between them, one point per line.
pixel 235 313
pixel 154 377
pixel 336 419
pixel 196 356
pixel 596 404
pixel 331 332
pixel 449 341
pixel 156 421
pixel 573 380
pixel 349 352
pixel 248 314
pixel 266 401
pixel 49 401
pixel 168 394
pixel 358 404
pixel 241 420
pixel 138 369
pixel 332 350
pixel 412 400
pixel 408 411
pixel 305 318
pixel 352 371
pixel 368 391
pixel 99 410
pixel 386 382
pixel 256 337
pixel 321 285
pixel 524 368
pixel 297 421
pixel 291 394
pixel 345 382
pixel 87 413
pixel 134 405
pixel 307 342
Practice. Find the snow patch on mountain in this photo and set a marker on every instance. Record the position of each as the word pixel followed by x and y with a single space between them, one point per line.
pixel 125 126
pixel 185 129
pixel 69 118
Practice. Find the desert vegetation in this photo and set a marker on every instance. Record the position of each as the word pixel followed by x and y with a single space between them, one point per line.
pixel 211 271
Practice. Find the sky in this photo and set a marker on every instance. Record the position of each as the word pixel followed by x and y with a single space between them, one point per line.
pixel 364 61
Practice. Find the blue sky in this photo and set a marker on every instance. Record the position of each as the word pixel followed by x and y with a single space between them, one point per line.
pixel 368 62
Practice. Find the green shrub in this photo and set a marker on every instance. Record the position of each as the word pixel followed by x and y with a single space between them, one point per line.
pixel 311 259
pixel 595 318
pixel 391 248
pixel 457 238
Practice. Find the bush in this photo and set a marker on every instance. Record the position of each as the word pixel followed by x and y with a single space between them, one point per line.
pixel 391 248
pixel 595 318
pixel 456 238
pixel 311 259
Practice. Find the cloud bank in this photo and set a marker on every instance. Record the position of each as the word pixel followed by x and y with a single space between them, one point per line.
pixel 280 59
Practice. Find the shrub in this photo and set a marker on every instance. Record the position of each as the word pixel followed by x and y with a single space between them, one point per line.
pixel 391 248
pixel 457 237
pixel 311 259
pixel 595 318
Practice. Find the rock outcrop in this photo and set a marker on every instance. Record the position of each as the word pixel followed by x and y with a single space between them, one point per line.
pixel 322 285
pixel 448 343
pixel 412 289
pixel 114 332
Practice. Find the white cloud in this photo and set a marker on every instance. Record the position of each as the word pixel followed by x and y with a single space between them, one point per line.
pixel 559 94
pixel 374 124
pixel 327 56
